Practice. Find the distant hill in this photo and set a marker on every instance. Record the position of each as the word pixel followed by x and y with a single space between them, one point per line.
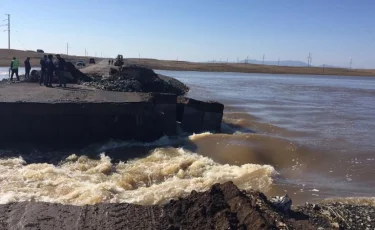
pixel 257 62
pixel 282 62
pixel 6 56
pixel 332 66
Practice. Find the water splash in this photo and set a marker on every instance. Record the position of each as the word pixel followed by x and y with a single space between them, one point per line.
pixel 164 174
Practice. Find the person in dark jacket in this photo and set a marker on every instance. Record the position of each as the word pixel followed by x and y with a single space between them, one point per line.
pixel 50 66
pixel 43 71
pixel 60 67
pixel 27 68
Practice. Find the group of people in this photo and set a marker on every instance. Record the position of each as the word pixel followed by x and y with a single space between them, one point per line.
pixel 110 62
pixel 48 67
pixel 14 65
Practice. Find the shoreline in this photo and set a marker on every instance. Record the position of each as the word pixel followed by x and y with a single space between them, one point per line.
pixel 6 56
pixel 247 68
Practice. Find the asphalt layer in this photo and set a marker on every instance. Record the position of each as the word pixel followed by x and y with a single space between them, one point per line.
pixel 33 92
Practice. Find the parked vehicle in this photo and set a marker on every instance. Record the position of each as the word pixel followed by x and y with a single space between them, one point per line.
pixel 119 60
pixel 92 61
pixel 80 63
pixel 39 51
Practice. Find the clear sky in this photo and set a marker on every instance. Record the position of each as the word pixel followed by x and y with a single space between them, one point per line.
pixel 334 31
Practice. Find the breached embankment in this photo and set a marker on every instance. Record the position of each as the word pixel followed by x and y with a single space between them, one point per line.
pixel 223 206
pixel 133 103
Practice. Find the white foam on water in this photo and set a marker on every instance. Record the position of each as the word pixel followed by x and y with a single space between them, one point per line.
pixel 368 201
pixel 165 174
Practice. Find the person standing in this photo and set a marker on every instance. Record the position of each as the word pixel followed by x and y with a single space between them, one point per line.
pixel 50 66
pixel 60 67
pixel 14 67
pixel 27 68
pixel 43 71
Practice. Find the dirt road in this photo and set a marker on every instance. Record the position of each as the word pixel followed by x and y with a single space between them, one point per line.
pixel 101 68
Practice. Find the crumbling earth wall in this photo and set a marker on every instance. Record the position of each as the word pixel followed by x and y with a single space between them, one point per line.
pixel 87 122
pixel 222 207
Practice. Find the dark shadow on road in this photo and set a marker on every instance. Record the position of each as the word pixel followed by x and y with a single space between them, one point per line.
pixel 74 89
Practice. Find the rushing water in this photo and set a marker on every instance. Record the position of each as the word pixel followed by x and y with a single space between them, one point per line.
pixel 309 136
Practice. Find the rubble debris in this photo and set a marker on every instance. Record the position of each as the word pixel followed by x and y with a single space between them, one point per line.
pixel 135 78
pixel 283 203
pixel 76 74
pixel 340 216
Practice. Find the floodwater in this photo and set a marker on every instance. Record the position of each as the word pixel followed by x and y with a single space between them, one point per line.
pixel 4 72
pixel 311 137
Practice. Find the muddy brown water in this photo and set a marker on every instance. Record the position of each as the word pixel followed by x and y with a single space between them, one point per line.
pixel 309 136
pixel 318 132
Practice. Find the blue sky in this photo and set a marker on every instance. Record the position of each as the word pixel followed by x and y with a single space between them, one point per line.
pixel 334 31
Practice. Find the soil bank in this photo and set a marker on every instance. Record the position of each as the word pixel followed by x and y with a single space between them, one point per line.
pixel 224 206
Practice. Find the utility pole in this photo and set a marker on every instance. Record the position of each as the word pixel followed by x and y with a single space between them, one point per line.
pixel 263 60
pixel 278 62
pixel 95 54
pixel 350 63
pixel 309 60
pixel 101 54
pixel 237 59
pixel 67 48
pixel 247 59
pixel 8 29
pixel 85 53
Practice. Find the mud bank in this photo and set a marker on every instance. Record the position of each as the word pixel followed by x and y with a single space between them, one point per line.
pixel 224 206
